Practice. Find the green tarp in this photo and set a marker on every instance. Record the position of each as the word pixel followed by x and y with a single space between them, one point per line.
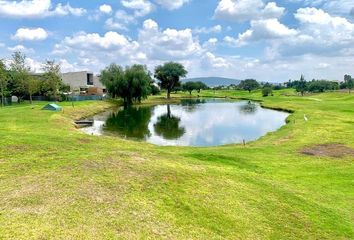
pixel 52 107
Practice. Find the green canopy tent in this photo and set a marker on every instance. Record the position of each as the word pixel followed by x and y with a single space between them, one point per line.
pixel 52 107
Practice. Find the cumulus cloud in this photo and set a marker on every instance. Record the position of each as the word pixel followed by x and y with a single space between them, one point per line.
pixel 92 41
pixel 210 60
pixel 167 44
pixel 141 7
pixel 246 10
pixel 205 30
pixel 36 9
pixel 30 34
pixel 262 30
pixel 120 21
pixel 106 9
pixel 20 48
pixel 171 5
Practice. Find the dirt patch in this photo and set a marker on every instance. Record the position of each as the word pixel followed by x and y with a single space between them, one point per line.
pixel 84 140
pixel 334 150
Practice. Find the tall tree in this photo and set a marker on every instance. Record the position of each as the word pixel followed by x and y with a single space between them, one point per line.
pixel 52 78
pixel 131 84
pixel 169 75
pixel 33 86
pixel 301 85
pixel 249 85
pixel 3 82
pixel 20 73
pixel 349 82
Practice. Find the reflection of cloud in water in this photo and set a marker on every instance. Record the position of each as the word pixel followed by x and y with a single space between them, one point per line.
pixel 213 123
pixel 219 123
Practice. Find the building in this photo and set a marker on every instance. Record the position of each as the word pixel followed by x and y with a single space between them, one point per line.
pixel 82 81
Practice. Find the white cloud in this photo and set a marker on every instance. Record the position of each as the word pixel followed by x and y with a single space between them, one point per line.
pixel 204 30
pixel 141 7
pixel 246 10
pixel 36 9
pixel 211 43
pixel 110 41
pixel 120 21
pixel 172 5
pixel 20 48
pixel 30 34
pixel 210 60
pixel 262 30
pixel 167 44
pixel 107 9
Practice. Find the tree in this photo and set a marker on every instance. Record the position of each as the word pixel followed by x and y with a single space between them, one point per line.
pixel 3 82
pixel 131 84
pixel 19 75
pixel 169 75
pixel 52 78
pixel 249 85
pixel 200 86
pixel 266 91
pixel 189 87
pixel 33 86
pixel 301 85
pixel 349 82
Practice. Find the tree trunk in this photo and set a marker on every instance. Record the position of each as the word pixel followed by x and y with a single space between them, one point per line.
pixel 2 98
pixel 168 93
pixel 30 99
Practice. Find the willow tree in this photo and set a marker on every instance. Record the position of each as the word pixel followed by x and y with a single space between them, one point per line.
pixel 130 84
pixel 169 75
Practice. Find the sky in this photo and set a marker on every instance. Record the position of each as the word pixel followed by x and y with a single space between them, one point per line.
pixel 270 41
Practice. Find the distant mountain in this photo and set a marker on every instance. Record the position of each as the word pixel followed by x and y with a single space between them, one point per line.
pixel 213 81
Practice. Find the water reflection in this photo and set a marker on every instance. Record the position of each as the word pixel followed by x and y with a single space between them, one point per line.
pixel 248 108
pixel 168 126
pixel 199 122
pixel 129 122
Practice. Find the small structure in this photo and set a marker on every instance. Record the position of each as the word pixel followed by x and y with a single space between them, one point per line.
pixel 52 107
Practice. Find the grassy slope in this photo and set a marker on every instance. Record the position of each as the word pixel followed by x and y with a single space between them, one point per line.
pixel 56 182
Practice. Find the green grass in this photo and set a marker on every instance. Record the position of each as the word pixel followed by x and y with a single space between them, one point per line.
pixel 58 183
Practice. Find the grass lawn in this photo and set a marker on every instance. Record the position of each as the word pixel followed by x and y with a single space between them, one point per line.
pixel 58 183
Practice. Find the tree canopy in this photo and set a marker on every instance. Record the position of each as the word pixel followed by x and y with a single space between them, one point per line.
pixel 249 85
pixel 130 84
pixel 169 75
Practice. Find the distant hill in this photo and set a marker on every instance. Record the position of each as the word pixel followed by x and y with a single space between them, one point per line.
pixel 213 81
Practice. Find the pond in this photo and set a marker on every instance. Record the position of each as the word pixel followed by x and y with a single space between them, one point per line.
pixel 197 122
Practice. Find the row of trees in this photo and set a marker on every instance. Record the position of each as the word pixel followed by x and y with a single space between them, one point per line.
pixel 303 86
pixel 16 79
pixel 194 86
pixel 135 83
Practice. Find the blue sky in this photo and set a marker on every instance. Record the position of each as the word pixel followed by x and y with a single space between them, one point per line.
pixel 267 40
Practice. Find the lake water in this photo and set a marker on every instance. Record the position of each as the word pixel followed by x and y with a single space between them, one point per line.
pixel 202 122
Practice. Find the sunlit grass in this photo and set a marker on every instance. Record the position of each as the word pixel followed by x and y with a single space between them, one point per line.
pixel 56 182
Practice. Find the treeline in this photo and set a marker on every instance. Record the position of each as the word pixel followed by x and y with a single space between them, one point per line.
pixel 315 86
pixel 17 80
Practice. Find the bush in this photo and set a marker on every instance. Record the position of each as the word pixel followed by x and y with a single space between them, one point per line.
pixel 267 91
pixel 154 90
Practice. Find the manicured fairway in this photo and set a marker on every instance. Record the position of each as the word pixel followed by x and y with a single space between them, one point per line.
pixel 58 183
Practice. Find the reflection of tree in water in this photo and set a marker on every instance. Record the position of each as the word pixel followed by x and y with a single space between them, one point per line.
pixel 130 122
pixel 167 126
pixel 191 105
pixel 248 108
